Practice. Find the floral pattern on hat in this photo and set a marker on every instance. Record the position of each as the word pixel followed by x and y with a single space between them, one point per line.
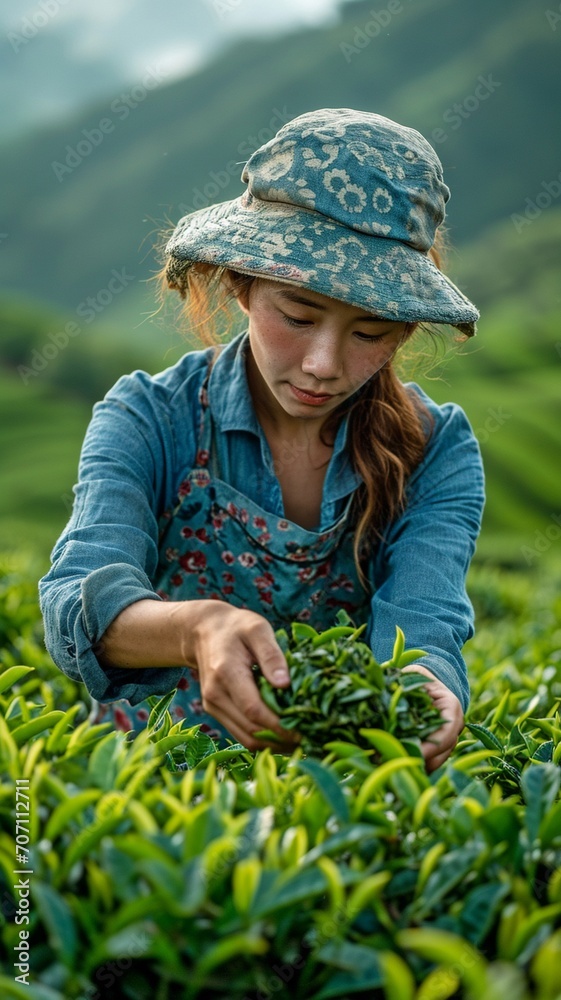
pixel 325 177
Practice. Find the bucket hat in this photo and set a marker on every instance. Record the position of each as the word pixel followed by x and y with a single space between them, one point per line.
pixel 343 202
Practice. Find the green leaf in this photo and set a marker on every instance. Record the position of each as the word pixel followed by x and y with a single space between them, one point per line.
pixel 544 752
pixel 103 762
pixel 399 982
pixel 66 811
pixel 446 949
pixel 328 785
pixel 12 675
pixel 540 785
pixel 57 918
pixel 550 826
pixel 452 869
pixel 485 736
pixel 159 709
pixel 26 731
pixel 360 969
pixel 398 646
pixel 387 744
pixel 480 910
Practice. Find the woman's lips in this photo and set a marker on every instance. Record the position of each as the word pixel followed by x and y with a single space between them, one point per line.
pixel 312 398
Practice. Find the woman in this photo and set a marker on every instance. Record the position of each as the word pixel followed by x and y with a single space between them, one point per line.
pixel 288 473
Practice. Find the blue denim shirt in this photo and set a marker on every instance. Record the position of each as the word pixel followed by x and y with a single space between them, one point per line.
pixel 140 445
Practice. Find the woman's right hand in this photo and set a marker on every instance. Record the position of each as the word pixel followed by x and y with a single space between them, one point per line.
pixel 225 643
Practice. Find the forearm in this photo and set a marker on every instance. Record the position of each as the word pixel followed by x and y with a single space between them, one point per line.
pixel 152 634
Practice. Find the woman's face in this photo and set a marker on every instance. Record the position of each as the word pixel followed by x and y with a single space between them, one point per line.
pixel 311 352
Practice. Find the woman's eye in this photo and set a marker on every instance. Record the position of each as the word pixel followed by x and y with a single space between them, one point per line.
pixel 292 321
pixel 369 337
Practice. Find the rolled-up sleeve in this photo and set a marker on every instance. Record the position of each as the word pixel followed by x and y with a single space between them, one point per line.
pixel 419 570
pixel 107 555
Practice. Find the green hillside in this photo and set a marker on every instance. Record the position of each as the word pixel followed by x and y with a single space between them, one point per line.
pixel 70 229
pixel 185 144
pixel 507 379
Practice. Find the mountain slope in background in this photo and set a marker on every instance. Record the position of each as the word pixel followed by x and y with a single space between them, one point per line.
pixel 184 144
pixel 81 201
pixel 507 380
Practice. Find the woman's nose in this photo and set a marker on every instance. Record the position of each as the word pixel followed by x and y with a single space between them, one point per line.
pixel 324 357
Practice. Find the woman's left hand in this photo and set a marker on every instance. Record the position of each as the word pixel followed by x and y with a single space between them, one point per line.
pixel 439 745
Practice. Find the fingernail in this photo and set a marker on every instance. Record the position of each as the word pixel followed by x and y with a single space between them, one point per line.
pixel 280 676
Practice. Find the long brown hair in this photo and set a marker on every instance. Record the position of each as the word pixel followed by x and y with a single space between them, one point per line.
pixel 388 426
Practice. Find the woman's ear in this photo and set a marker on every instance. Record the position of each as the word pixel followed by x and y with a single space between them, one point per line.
pixel 242 298
pixel 239 285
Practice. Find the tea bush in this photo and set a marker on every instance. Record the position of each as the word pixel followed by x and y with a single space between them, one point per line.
pixel 162 868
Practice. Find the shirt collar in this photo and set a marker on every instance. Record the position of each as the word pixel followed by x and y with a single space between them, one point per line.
pixel 229 397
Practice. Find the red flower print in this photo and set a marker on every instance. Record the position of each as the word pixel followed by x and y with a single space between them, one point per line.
pixel 304 615
pixel 283 525
pixel 163 595
pixel 228 590
pixel 232 509
pixel 244 516
pixel 122 720
pixel 183 684
pixel 217 522
pixel 264 538
pixel 228 558
pixel 247 559
pixel 228 577
pixel 201 477
pixel 259 522
pixel 196 705
pixel 184 488
pixel 187 532
pixel 142 715
pixel 203 580
pixel 264 581
pixel 171 554
pixel 178 712
pixel 176 580
pixel 193 561
pixel 306 573
pixel 266 596
pixel 201 534
pixel 202 457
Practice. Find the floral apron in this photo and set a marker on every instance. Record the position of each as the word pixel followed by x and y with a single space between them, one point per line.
pixel 218 544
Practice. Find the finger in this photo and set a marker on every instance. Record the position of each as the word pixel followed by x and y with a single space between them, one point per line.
pixel 241 706
pixel 436 762
pixel 268 655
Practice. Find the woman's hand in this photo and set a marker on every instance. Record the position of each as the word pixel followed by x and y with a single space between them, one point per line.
pixel 439 745
pixel 226 642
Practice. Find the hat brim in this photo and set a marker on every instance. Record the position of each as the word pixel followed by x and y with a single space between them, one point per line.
pixel 276 240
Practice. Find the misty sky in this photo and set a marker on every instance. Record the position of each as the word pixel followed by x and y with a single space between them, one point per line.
pixel 58 54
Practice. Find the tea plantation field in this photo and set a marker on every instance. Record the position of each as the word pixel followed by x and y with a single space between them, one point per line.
pixel 162 868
